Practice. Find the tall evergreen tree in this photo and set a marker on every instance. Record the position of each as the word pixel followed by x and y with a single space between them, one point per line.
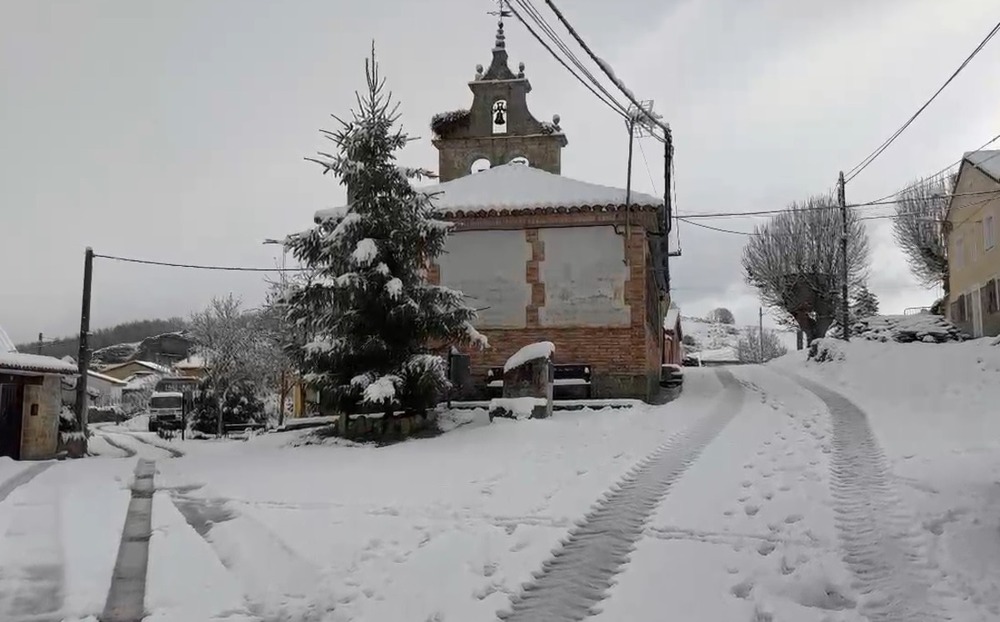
pixel 865 304
pixel 368 308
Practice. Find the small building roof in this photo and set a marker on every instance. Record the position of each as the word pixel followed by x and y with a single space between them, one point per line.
pixel 986 161
pixel 100 376
pixel 153 367
pixel 192 362
pixel 35 363
pixel 20 362
pixel 518 188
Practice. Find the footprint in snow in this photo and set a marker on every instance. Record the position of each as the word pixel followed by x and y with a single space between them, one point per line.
pixel 751 509
pixel 793 518
pixel 746 483
pixel 768 495
pixel 743 498
pixel 742 590
pixel 766 548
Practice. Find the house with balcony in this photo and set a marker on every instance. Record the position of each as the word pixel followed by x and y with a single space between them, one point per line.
pixel 971 231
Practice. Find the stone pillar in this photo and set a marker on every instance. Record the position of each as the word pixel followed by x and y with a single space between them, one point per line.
pixel 527 384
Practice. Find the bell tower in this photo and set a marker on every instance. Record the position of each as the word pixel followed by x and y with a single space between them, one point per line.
pixel 498 128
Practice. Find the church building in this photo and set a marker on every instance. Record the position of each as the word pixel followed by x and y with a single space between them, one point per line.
pixel 544 257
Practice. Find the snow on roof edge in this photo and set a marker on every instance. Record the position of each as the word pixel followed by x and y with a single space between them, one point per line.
pixel 518 188
pixel 36 363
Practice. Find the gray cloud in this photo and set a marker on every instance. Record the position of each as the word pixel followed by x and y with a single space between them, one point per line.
pixel 176 131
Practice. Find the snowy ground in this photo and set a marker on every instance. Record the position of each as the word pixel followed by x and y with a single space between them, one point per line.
pixel 755 496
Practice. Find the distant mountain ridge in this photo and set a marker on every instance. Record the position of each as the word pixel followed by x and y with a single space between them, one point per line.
pixel 116 337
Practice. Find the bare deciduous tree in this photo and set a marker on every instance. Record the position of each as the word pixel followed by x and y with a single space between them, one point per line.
pixel 757 347
pixel 721 315
pixel 917 228
pixel 238 347
pixel 794 261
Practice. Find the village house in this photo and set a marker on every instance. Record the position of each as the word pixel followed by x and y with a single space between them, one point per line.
pixel 544 257
pixel 673 336
pixel 123 371
pixel 193 366
pixel 971 231
pixel 30 402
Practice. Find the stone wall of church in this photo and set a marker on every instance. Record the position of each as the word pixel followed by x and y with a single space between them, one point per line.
pixel 455 156
pixel 580 294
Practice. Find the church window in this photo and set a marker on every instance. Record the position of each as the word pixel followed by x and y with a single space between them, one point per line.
pixel 480 165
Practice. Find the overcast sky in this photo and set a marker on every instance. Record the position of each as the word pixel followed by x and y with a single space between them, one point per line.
pixel 176 131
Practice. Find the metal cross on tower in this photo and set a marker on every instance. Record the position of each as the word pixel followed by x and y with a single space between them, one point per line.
pixel 502 10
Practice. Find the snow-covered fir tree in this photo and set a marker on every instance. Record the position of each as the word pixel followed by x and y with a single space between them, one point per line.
pixel 865 304
pixel 369 311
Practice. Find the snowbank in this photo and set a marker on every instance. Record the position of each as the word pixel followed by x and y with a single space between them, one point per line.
pixel 907 328
pixel 933 409
pixel 517 407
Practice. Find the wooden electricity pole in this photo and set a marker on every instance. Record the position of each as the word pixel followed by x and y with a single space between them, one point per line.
pixel 760 333
pixel 842 201
pixel 83 359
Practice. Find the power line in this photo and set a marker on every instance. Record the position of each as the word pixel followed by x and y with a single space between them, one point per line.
pixel 646 163
pixel 854 172
pixel 167 264
pixel 547 29
pixel 874 204
pixel 933 175
pixel 610 73
pixel 610 102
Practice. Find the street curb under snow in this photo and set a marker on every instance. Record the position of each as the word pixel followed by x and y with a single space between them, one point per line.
pixel 879 546
pixel 581 570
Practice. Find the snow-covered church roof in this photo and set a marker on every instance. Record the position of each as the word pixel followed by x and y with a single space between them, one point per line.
pixel 518 188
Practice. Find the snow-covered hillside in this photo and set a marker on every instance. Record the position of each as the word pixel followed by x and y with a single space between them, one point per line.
pixel 717 342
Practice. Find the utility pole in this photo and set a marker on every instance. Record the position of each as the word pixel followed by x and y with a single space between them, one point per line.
pixel 842 201
pixel 760 334
pixel 628 187
pixel 41 339
pixel 84 354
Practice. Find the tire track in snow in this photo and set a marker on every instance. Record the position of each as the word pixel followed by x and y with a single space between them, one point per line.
pixel 880 546
pixel 22 478
pixel 129 452
pixel 581 570
pixel 107 433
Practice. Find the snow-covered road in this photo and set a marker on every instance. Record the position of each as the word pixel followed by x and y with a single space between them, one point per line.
pixel 758 495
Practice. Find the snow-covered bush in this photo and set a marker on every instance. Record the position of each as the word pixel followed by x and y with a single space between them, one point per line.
pixel 368 311
pixel 757 347
pixel 826 350
pixel 240 403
